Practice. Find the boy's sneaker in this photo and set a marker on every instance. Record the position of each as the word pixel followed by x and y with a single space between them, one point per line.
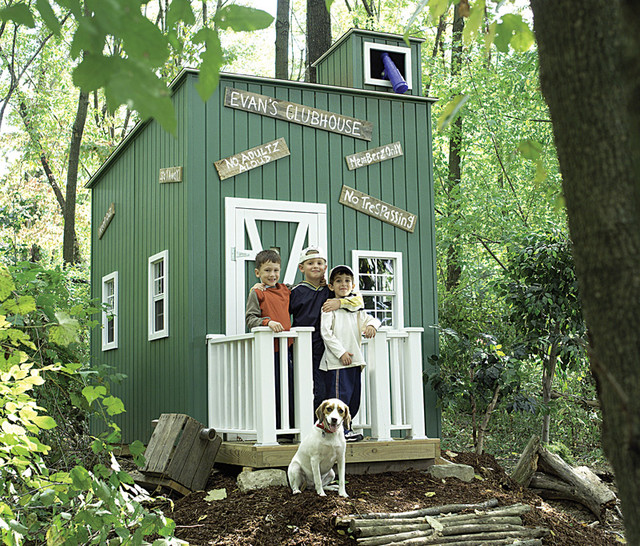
pixel 351 436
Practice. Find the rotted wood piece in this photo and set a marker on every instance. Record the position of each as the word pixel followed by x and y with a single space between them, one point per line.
pixel 181 451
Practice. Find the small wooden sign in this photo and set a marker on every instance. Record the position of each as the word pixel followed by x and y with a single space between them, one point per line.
pixel 378 209
pixel 297 113
pixel 250 159
pixel 106 220
pixel 375 155
pixel 170 174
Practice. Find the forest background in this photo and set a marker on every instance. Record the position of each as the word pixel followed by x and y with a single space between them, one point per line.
pixel 513 350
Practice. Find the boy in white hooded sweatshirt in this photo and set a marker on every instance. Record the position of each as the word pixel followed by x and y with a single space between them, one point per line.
pixel 342 332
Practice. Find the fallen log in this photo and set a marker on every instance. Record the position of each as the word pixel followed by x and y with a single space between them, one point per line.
pixel 484 537
pixel 433 511
pixel 582 485
pixel 379 530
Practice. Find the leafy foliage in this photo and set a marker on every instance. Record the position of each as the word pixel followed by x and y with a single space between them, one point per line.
pixel 47 495
pixel 128 74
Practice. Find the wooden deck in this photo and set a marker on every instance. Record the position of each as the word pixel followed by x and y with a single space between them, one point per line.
pixel 367 456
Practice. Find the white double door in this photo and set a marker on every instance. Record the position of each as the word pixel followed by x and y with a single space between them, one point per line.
pixel 252 225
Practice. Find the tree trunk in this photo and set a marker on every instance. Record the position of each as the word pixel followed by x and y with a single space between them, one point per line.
pixel 548 372
pixel 454 267
pixel 528 463
pixel 318 34
pixel 282 40
pixel 589 61
pixel 70 247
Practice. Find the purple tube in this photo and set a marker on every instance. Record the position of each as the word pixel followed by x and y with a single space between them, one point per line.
pixel 392 73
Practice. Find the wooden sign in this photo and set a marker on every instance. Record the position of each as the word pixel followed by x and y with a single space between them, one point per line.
pixel 376 155
pixel 378 209
pixel 170 174
pixel 106 220
pixel 250 159
pixel 297 113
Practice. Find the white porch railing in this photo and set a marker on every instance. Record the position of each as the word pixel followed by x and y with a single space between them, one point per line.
pixel 241 384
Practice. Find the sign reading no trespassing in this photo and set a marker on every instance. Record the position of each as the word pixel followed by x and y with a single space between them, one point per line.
pixel 297 113
pixel 378 209
pixel 250 159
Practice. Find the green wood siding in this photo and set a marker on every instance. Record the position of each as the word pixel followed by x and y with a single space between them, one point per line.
pixel 187 219
pixel 343 65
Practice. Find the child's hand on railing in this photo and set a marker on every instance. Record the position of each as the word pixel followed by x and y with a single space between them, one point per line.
pixel 370 331
pixel 275 326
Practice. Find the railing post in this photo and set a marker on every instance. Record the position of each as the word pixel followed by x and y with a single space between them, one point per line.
pixel 414 382
pixel 380 387
pixel 214 388
pixel 265 387
pixel 303 379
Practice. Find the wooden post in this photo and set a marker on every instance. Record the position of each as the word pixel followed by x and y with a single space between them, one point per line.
pixel 214 400
pixel 380 387
pixel 413 388
pixel 264 381
pixel 303 379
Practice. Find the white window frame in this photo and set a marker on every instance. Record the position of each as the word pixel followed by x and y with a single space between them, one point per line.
pixel 406 69
pixel 396 294
pixel 113 314
pixel 153 298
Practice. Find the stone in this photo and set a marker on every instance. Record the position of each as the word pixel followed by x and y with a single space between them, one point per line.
pixel 259 479
pixel 463 472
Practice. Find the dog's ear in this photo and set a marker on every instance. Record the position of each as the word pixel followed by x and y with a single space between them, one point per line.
pixel 320 411
pixel 347 418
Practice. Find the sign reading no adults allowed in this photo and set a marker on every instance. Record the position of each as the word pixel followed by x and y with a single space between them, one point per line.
pixel 378 209
pixel 252 158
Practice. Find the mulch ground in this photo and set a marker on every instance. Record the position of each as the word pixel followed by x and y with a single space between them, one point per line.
pixel 274 516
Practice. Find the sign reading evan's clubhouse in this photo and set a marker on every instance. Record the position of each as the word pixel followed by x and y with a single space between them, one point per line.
pixel 250 159
pixel 378 209
pixel 297 113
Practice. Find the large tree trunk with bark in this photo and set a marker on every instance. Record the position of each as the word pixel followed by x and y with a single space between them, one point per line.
pixel 70 248
pixel 454 268
pixel 590 59
pixel 318 34
pixel 282 40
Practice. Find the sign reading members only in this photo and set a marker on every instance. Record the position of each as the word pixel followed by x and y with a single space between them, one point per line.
pixel 378 209
pixel 297 113
pixel 250 159
pixel 376 155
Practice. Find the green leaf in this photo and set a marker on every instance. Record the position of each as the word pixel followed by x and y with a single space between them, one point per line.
pixel 514 31
pixel 530 149
pixel 180 10
pixel 450 111
pixel 93 72
pixel 48 16
pixel 6 283
pixel 44 422
pixel 137 448
pixel 66 331
pixel 474 21
pixel 80 478
pixel 114 405
pixel 20 14
pixel 241 18
pixel 93 393
pixel 212 60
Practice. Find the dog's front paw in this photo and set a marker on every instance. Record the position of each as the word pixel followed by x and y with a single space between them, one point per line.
pixel 343 493
pixel 296 491
pixel 322 493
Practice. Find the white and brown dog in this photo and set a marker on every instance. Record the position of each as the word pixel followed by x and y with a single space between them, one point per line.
pixel 323 447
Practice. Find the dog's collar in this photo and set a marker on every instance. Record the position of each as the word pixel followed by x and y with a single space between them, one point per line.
pixel 321 426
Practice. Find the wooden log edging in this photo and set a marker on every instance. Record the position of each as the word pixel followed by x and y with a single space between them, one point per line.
pixel 487 524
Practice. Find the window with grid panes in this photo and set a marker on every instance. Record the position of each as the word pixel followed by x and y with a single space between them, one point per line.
pixel 158 297
pixel 380 283
pixel 110 311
